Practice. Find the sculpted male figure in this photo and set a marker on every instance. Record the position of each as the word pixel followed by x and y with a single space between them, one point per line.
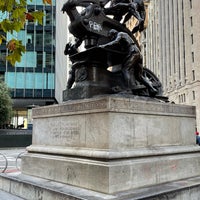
pixel 132 64
pixel 118 8
pixel 71 49
pixel 128 8
pixel 136 9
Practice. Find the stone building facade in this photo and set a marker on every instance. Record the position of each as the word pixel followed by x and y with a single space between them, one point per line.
pixel 172 49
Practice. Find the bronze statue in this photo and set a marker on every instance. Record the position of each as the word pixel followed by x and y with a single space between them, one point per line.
pixel 132 64
pixel 108 43
pixel 71 49
pixel 127 9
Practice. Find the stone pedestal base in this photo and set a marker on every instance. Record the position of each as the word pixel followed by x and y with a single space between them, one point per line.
pixel 114 175
pixel 112 144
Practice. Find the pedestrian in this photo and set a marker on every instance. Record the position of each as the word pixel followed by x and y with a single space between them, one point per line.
pixel 197 138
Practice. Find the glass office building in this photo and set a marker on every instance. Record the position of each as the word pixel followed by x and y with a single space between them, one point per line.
pixel 32 81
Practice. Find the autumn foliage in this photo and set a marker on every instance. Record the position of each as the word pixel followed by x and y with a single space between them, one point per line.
pixel 13 16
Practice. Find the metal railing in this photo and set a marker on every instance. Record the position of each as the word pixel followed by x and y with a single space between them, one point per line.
pixel 18 160
pixel 4 162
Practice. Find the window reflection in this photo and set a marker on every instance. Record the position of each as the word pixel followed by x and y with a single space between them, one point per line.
pixel 39 59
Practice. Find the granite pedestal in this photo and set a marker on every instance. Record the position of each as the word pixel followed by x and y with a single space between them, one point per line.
pixel 112 144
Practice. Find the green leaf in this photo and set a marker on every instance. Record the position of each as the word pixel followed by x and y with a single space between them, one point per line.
pixel 18 25
pixel 16 53
pixel 9 4
pixel 6 25
pixel 18 13
pixel 2 37
pixel 38 16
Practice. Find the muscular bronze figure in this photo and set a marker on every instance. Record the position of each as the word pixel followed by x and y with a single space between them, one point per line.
pixel 132 67
pixel 128 8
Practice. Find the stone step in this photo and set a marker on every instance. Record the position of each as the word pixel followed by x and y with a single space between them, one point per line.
pixel 17 186
pixel 7 196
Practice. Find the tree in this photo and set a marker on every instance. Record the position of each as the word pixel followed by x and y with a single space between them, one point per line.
pixel 5 104
pixel 13 15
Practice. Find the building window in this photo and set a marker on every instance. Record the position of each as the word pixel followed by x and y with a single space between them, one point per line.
pixel 39 39
pixel 190 4
pixel 193 75
pixel 191 21
pixel 192 39
pixel 27 60
pixel 40 2
pixel 29 80
pixel 10 79
pixel 29 2
pixel 192 56
pixel 30 39
pixel 39 59
pixel 49 81
pixel 48 17
pixel 49 60
pixel 48 38
pixel 182 98
pixel 20 80
pixel 193 95
pixel 22 36
pixel 39 81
